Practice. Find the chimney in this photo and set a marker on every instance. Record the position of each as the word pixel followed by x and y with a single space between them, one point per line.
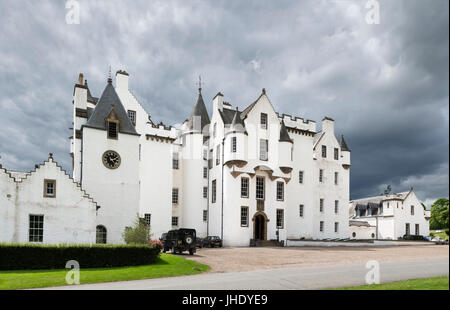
pixel 80 79
pixel 122 80
pixel 328 124
pixel 218 102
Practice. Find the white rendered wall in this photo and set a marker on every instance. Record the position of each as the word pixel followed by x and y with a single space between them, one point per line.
pixel 115 190
pixel 68 218
pixel 328 190
pixel 8 195
pixel 193 202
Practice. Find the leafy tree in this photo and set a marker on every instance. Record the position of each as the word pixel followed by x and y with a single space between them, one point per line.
pixel 139 233
pixel 439 214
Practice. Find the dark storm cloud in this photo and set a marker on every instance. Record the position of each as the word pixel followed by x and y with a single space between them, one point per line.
pixel 385 85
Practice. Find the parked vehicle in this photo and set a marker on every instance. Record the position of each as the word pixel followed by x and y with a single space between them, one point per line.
pixel 199 242
pixel 212 242
pixel 163 236
pixel 179 240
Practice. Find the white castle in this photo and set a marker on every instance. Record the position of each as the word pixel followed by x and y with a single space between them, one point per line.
pixel 240 175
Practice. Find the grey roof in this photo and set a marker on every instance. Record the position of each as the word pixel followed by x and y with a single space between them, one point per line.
pixel 379 199
pixel 199 110
pixel 284 135
pixel 237 124
pixel 228 116
pixel 103 109
pixel 343 145
pixel 359 223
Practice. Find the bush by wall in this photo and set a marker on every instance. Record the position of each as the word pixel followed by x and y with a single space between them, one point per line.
pixel 413 237
pixel 39 256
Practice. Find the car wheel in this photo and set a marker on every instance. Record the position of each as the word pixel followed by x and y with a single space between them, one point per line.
pixel 191 252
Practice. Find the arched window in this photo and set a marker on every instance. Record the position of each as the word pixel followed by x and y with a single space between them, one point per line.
pixel 101 234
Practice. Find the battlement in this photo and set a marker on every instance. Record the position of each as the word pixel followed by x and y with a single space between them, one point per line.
pixel 298 122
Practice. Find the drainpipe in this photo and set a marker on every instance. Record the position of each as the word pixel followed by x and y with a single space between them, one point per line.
pixel 207 198
pixel 223 157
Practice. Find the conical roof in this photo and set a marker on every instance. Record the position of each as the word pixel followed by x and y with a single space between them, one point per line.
pixel 237 125
pixel 104 107
pixel 284 135
pixel 199 111
pixel 343 144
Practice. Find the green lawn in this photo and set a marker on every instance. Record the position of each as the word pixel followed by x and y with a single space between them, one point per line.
pixel 437 283
pixel 166 266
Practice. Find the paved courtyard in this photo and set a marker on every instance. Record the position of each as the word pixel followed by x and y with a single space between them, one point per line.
pixel 232 259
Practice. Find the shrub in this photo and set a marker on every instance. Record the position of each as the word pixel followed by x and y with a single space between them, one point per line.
pixel 446 231
pixel 138 234
pixel 156 243
pixel 432 234
pixel 413 237
pixel 39 256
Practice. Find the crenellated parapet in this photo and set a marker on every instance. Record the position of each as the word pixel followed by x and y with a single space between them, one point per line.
pixel 298 123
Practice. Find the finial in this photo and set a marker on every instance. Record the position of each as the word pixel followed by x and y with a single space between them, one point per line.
pixel 199 84
pixel 109 75
pixel 264 91
pixel 112 106
pixel 50 155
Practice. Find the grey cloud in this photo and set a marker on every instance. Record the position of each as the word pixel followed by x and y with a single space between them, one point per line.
pixel 385 85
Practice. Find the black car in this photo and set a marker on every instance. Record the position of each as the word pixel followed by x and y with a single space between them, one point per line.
pixel 199 242
pixel 177 241
pixel 212 242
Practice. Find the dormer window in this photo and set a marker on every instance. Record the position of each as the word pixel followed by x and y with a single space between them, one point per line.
pixel 263 121
pixel 112 124
pixel 132 117
pixel 113 129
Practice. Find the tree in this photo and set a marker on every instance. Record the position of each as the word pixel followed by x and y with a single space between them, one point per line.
pixel 139 233
pixel 439 214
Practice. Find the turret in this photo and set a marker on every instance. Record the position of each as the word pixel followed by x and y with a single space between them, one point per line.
pixel 285 150
pixel 236 140
pixel 192 155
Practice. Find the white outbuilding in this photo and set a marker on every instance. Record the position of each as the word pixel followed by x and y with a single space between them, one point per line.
pixel 392 215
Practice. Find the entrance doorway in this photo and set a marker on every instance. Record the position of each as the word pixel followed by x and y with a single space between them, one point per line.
pixel 260 227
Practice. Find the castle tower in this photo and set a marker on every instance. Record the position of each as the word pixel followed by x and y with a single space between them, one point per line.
pixel 110 164
pixel 194 203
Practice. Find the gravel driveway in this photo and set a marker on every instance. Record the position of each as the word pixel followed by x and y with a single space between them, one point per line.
pixel 232 259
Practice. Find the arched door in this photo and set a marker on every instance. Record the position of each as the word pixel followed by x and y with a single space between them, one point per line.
pixel 260 227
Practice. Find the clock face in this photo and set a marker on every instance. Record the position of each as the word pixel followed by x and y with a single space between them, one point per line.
pixel 111 159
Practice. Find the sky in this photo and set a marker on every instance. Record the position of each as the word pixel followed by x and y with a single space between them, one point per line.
pixel 385 83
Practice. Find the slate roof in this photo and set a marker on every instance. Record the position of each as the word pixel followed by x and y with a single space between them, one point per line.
pixel 103 109
pixel 284 135
pixel 236 123
pixel 90 98
pixel 379 199
pixel 199 110
pixel 343 144
pixel 359 223
pixel 228 115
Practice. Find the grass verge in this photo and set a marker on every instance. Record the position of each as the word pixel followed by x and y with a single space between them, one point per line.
pixel 436 283
pixel 166 266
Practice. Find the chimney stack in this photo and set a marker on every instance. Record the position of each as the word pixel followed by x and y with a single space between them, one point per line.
pixel 80 79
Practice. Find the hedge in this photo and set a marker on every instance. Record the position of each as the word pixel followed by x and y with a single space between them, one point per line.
pixel 413 237
pixel 39 256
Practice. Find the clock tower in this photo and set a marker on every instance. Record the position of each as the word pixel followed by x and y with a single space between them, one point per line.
pixel 109 169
